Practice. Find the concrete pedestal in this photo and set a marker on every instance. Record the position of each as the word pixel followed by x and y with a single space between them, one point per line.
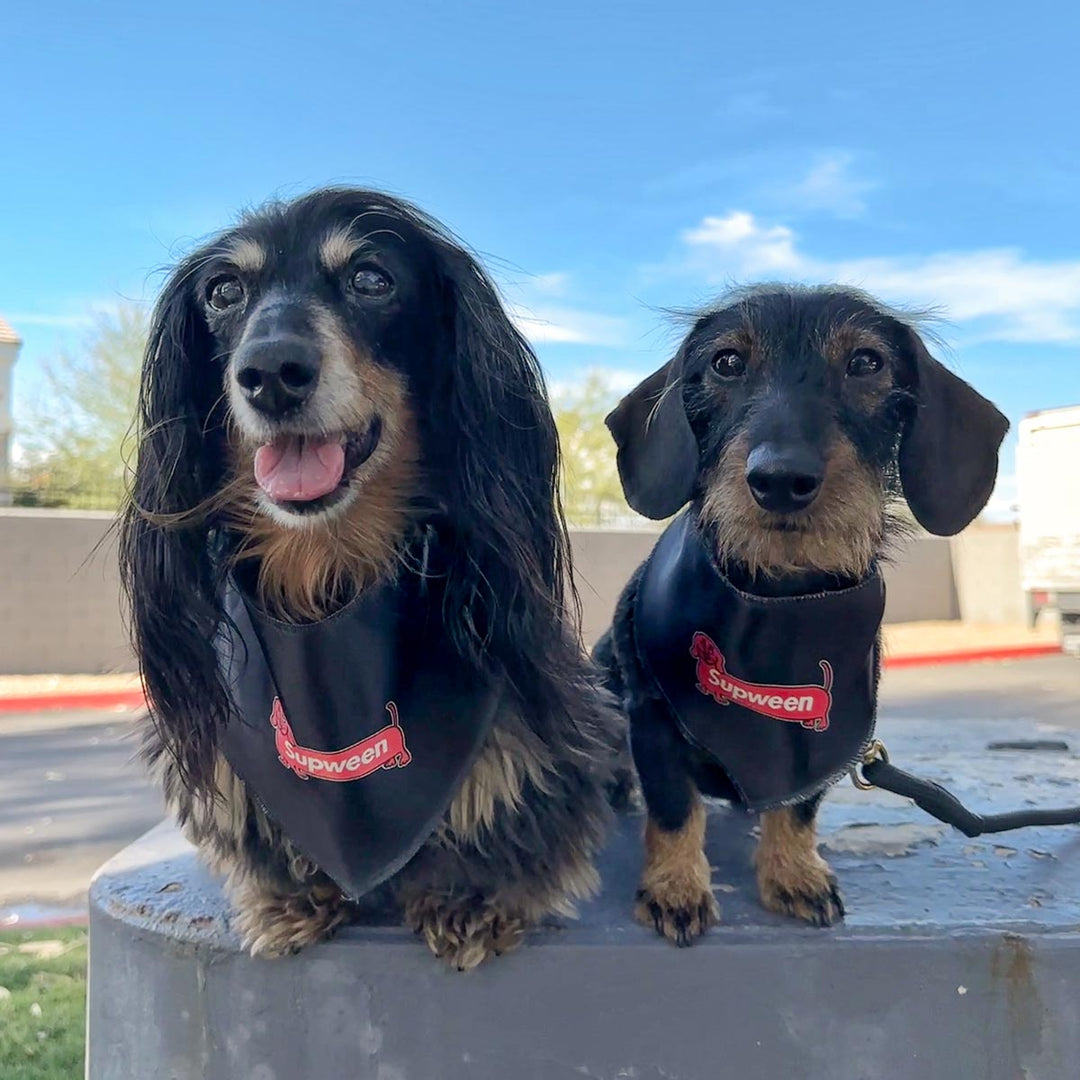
pixel 959 960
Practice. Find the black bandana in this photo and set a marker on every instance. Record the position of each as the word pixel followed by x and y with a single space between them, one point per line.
pixel 353 733
pixel 781 692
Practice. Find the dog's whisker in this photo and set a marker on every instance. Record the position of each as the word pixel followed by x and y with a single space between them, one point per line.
pixel 671 387
pixel 197 266
pixel 369 236
pixel 210 413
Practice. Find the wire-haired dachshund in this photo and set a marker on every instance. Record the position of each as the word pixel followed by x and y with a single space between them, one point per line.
pixel 332 391
pixel 794 422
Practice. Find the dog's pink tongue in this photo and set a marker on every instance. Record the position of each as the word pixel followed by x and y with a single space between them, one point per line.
pixel 299 469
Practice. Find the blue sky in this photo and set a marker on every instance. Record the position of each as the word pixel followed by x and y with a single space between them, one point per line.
pixel 609 159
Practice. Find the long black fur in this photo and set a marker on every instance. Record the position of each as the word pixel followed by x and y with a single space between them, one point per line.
pixel 171 583
pixel 490 461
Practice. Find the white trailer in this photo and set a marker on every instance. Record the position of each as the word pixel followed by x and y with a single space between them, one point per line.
pixel 1048 483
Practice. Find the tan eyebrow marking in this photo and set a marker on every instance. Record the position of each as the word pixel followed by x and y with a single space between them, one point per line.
pixel 839 341
pixel 245 254
pixel 338 246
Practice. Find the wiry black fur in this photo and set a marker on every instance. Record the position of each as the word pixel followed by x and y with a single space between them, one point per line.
pixel 489 456
pixel 792 324
pixel 919 432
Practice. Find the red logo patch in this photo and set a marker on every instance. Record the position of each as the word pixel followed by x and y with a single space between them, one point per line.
pixel 806 705
pixel 384 750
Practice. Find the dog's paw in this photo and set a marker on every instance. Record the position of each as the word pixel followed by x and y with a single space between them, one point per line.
pixel 681 911
pixel 465 931
pixel 273 924
pixel 808 892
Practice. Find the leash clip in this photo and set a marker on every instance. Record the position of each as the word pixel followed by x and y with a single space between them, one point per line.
pixel 874 752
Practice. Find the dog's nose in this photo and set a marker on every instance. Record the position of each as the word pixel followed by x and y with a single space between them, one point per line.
pixel 278 375
pixel 784 479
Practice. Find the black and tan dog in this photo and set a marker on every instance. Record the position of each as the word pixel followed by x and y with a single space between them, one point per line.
pixel 792 420
pixel 335 406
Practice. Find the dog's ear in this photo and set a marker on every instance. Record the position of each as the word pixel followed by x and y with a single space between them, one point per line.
pixel 496 448
pixel 657 452
pixel 168 576
pixel 949 448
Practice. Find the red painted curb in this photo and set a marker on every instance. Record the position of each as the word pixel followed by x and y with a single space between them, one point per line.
pixel 973 656
pixel 101 699
pixel 134 699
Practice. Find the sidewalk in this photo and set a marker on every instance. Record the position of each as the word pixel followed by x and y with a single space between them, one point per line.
pixel 906 645
pixel 28 693
pixel 922 643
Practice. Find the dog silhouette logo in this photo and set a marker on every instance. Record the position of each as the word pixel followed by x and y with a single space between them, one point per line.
pixel 807 705
pixel 385 749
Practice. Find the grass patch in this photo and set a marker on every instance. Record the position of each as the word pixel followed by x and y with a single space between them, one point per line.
pixel 42 1003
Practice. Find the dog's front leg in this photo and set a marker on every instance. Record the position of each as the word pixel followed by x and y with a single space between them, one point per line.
pixel 273 918
pixel 675 895
pixel 793 878
pixel 470 903
pixel 465 924
pixel 280 902
pixel 516 847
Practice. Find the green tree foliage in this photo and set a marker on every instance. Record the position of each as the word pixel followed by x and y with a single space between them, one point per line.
pixel 592 494
pixel 73 436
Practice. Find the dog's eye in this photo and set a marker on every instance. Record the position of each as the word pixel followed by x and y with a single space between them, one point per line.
pixel 865 362
pixel 729 364
pixel 371 281
pixel 224 293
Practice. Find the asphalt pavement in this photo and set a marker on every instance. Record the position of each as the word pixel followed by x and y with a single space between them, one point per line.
pixel 72 791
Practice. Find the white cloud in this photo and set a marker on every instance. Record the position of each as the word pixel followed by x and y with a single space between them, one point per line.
pixel 537 306
pixel 73 314
pixel 748 248
pixel 1009 296
pixel 554 284
pixel 617 381
pixel 22 318
pixel 829 186
pixel 545 325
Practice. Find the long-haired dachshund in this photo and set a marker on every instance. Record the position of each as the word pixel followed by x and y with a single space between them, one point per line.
pixel 792 421
pixel 327 386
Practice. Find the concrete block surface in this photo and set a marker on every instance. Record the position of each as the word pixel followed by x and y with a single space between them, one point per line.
pixel 959 960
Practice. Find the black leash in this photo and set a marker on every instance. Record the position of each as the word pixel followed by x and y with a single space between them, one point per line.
pixel 877 772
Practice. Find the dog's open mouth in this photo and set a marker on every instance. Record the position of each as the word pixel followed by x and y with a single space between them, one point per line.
pixel 307 473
